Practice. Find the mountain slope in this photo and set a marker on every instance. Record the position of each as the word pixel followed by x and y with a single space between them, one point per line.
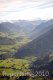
pixel 43 64
pixel 9 27
pixel 41 29
pixel 38 47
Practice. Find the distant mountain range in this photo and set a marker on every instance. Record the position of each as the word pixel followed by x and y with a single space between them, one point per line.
pixel 21 26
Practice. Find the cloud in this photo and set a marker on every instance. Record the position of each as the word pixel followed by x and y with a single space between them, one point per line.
pixel 26 9
pixel 5 5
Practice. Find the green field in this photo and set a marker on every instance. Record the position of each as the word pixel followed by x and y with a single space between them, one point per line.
pixel 12 65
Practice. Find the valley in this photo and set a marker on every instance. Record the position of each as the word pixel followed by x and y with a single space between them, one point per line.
pixel 26 46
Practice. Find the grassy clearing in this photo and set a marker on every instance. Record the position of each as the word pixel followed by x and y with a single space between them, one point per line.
pixel 12 65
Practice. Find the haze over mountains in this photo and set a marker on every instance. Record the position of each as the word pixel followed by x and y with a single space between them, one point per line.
pixel 32 29
pixel 21 26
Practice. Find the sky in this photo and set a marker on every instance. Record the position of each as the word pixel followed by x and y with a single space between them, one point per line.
pixel 26 9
